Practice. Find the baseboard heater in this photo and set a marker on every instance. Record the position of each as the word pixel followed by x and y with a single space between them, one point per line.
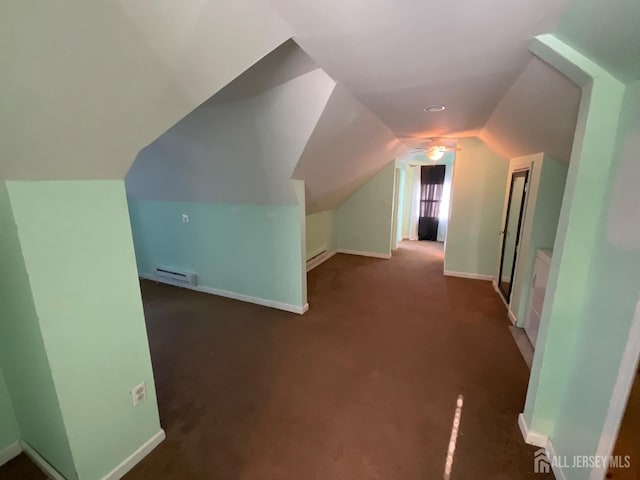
pixel 178 277
pixel 315 257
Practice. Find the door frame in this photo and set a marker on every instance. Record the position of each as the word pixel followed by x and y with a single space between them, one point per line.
pixel 526 173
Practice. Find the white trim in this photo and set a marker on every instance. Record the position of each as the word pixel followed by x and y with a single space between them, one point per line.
pixel 497 289
pixel 135 458
pixel 531 437
pixel 620 397
pixel 314 262
pixel 287 307
pixel 511 316
pixel 473 276
pixel 10 452
pixel 365 254
pixel 539 440
pixel 41 463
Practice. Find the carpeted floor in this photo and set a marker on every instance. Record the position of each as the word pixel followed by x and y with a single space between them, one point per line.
pixel 363 386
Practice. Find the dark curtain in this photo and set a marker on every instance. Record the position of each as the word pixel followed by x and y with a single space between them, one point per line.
pixel 432 183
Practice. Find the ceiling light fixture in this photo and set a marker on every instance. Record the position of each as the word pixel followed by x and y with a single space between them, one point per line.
pixel 434 108
pixel 435 153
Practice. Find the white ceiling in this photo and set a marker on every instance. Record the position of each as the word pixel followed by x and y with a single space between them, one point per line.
pixel 399 56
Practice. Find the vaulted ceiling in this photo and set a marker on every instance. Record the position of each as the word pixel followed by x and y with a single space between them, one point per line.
pixel 86 85
pixel 398 57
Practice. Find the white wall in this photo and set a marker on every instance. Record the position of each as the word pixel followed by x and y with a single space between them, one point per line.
pixel 349 146
pixel 94 82
pixel 239 152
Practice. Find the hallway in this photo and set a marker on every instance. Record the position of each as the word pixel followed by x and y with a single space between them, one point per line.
pixel 363 386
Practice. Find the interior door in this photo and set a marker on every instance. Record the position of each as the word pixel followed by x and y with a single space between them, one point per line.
pixel 511 231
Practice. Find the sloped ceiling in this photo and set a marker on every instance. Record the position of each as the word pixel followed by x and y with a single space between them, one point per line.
pixel 234 152
pixel 607 32
pixel 86 85
pixel 348 146
pixel 537 114
pixel 397 57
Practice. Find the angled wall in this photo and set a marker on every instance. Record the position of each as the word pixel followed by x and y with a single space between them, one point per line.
pixel 23 354
pixel 477 195
pixel 537 114
pixel 228 167
pixel 237 152
pixel 117 74
pixel 348 146
pixel 80 332
pixel 364 222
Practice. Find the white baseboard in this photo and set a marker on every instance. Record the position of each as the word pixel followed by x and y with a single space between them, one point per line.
pixel 41 463
pixel 10 452
pixel 512 317
pixel 311 264
pixel 473 276
pixel 236 296
pixel 531 437
pixel 495 287
pixel 364 254
pixel 115 474
pixel 135 458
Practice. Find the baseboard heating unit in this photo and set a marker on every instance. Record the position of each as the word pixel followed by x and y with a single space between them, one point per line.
pixel 175 276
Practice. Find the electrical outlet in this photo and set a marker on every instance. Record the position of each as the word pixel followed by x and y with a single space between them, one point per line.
pixel 138 394
pixel 185 218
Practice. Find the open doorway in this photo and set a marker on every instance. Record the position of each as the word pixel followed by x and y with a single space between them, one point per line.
pixel 427 192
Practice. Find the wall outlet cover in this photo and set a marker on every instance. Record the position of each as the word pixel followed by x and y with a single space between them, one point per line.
pixel 138 394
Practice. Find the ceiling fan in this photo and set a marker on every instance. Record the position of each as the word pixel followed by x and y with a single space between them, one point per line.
pixel 435 148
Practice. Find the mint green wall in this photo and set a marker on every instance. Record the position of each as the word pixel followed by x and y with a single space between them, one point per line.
pixel 612 297
pixel 477 196
pixel 246 249
pixel 320 232
pixel 576 242
pixel 447 161
pixel 78 253
pixel 9 430
pixel 363 222
pixel 23 355
pixel 410 173
pixel 400 198
pixel 547 179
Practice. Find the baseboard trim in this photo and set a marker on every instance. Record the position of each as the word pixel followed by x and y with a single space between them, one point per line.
pixel 10 452
pixel 40 462
pixel 512 317
pixel 495 287
pixel 532 438
pixel 364 254
pixel 132 460
pixel 320 259
pixel 299 309
pixel 539 440
pixel 472 276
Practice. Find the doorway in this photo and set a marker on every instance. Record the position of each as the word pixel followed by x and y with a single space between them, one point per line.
pixel 511 232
